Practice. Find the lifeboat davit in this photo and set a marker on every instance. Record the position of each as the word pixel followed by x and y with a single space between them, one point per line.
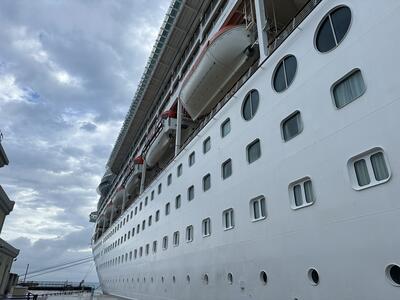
pixel 218 62
pixel 134 179
pixel 164 134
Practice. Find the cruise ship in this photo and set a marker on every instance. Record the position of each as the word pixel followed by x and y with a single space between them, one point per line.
pixel 258 157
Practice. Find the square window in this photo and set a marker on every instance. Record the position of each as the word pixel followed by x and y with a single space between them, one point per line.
pixel 348 89
pixel 169 179
pixel 179 170
pixel 192 159
pixel 292 126
pixel 206 225
pixel 159 188
pixel 189 234
pixel 257 208
pixel 206 182
pixel 190 193
pixel 167 209
pixel 253 151
pixel 178 201
pixel 226 169
pixel 225 127
pixel 206 145
pixel 301 193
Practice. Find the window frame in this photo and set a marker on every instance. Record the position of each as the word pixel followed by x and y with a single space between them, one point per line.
pixel 274 74
pixel 222 168
pixel 190 188
pixel 226 121
pixel 175 239
pixel 232 219
pixel 246 98
pixel 189 236
pixel 257 140
pixel 301 125
pixel 164 244
pixel 366 155
pixel 204 181
pixel 178 199
pixel 251 207
pixel 292 198
pixel 203 231
pixel 206 141
pixel 179 170
pixel 191 159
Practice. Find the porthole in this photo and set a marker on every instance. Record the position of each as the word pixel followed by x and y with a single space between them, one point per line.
pixel 284 73
pixel 313 276
pixel 230 278
pixel 205 279
pixel 250 105
pixel 188 278
pixel 263 277
pixel 333 29
pixel 393 274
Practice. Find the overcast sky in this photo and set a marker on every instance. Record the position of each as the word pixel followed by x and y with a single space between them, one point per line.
pixel 68 72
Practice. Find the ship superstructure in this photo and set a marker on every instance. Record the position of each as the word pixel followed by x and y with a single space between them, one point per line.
pixel 258 158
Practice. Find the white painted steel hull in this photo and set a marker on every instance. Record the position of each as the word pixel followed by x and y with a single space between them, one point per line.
pixel 219 62
pixel 349 236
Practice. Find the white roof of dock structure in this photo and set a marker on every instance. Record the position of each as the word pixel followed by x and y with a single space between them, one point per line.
pixel 174 34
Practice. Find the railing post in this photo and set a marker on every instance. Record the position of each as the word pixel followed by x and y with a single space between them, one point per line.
pixel 143 177
pixel 112 214
pixel 178 127
pixel 262 34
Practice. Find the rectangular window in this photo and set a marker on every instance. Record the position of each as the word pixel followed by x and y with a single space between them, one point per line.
pixel 179 170
pixel 135 210
pixel 227 219
pixel 140 251
pixel 127 218
pixel 169 179
pixel 225 127
pixel 291 126
pixel 135 253
pixel 348 89
pixel 175 239
pixel 189 234
pixel 140 206
pixel 167 208
pixel 129 235
pixel 125 237
pixel 150 220
pixel 147 249
pixel 206 182
pixel 143 224
pixel 178 201
pixel 131 214
pixel 302 194
pixel 206 145
pixel 190 193
pixel 157 215
pixel 133 231
pixel 152 195
pixel 146 200
pixel 253 151
pixel 369 169
pixel 137 228
pixel 154 246
pixel 226 169
pixel 257 208
pixel 192 159
pixel 165 242
pixel 159 188
pixel 206 225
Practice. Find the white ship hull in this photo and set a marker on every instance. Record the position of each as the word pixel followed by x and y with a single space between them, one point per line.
pixel 347 235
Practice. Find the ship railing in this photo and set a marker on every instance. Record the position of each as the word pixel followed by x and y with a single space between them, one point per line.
pixel 292 25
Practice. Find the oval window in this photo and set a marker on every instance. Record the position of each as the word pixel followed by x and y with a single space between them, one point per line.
pixel 250 105
pixel 333 29
pixel 284 73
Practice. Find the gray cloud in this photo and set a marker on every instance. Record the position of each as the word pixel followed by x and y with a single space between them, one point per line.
pixel 68 71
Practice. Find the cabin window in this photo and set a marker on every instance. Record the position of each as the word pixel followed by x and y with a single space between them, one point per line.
pixel 225 127
pixel 348 89
pixel 127 218
pixel 135 252
pixel 150 220
pixel 250 105
pixel 165 242
pixel 140 251
pixel 154 246
pixel 146 200
pixel 136 210
pixel 206 145
pixel 143 224
pixel 332 29
pixel 206 226
pixel 227 219
pixel 167 208
pixel 159 188
pixel 137 228
pixel 206 182
pixel 147 249
pixel 301 193
pixel 152 195
pixel 189 234
pixel 192 159
pixel 226 169
pixel 257 208
pixel 169 179
pixel 190 193
pixel 291 126
pixel 129 234
pixel 369 169
pixel 131 214
pixel 157 215
pixel 179 170
pixel 175 239
pixel 253 151
pixel 284 73
pixel 178 201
